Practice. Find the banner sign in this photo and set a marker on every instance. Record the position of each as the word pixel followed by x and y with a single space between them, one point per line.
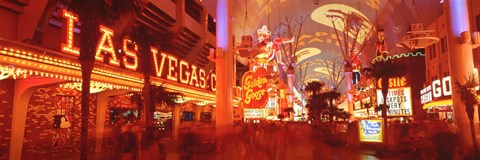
pixel 371 130
pixel 254 86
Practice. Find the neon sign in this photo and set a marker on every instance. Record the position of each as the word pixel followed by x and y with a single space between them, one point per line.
pixel 176 70
pixel 254 85
pixel 394 82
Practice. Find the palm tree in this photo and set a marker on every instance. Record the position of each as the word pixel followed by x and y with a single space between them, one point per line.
pixel 91 13
pixel 341 114
pixel 469 99
pixel 145 40
pixel 331 96
pixel 159 95
pixel 316 103
pixel 314 87
pixel 344 115
pixel 383 67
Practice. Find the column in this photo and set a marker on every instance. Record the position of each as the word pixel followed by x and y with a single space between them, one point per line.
pixel 290 81
pixel 176 121
pixel 198 111
pixel 348 80
pixel 461 64
pixel 214 111
pixel 224 65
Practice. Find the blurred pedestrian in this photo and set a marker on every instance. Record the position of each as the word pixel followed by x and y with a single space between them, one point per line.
pixel 149 148
pixel 128 143
pixel 188 145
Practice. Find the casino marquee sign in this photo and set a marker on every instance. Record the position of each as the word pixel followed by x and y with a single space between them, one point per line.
pixel 165 65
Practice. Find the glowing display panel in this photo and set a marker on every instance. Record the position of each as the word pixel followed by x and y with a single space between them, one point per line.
pixel 370 130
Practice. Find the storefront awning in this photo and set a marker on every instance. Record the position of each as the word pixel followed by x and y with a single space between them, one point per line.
pixel 444 102
pixel 438 103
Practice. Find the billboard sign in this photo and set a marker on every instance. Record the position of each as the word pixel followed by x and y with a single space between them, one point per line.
pixel 371 130
pixel 399 100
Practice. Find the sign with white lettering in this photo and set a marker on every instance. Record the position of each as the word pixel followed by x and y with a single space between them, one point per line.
pixel 254 113
pixel 370 130
pixel 399 100
pixel 438 88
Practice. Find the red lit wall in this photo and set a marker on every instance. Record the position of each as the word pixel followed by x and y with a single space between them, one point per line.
pixel 42 140
pixel 6 109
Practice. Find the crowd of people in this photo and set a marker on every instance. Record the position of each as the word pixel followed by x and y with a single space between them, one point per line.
pixel 133 141
pixel 274 140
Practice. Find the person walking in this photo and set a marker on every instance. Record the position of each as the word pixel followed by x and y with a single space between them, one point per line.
pixel 128 143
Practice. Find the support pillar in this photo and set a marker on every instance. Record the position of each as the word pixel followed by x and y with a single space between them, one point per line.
pixel 214 113
pixel 198 111
pixel 348 80
pixel 290 81
pixel 461 64
pixel 176 121
pixel 224 65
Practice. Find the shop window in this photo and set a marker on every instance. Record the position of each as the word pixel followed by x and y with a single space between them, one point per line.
pixel 212 27
pixel 433 51
pixel 123 114
pixel 206 117
pixel 443 44
pixel 187 116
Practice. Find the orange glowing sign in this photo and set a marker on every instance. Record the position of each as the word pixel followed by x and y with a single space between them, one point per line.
pixel 130 54
pixel 394 82
pixel 176 69
pixel 69 21
pixel 105 46
pixel 254 85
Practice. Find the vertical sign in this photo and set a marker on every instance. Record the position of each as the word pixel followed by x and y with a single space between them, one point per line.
pixel 254 86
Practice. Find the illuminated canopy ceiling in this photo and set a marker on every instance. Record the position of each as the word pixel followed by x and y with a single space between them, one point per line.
pixel 318 40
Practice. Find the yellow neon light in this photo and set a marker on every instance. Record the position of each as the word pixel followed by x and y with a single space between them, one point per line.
pixel 171 68
pixel 187 74
pixel 194 76
pixel 69 22
pixel 158 68
pixel 203 83
pixel 438 103
pixel 130 54
pixel 214 87
pixel 107 47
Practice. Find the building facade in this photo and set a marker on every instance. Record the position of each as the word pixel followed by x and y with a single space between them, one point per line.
pixel 40 73
pixel 437 91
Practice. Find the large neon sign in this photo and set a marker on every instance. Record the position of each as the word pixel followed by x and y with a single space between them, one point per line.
pixel 177 70
pixel 254 85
